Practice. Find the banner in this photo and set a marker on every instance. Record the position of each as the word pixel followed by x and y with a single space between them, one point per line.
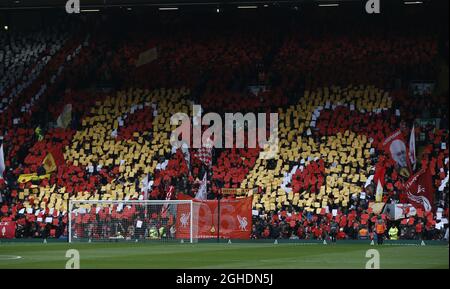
pixel 31 177
pixel 238 191
pixel 394 146
pixel 419 190
pixel 147 57
pixel 399 211
pixel 235 218
pixel 424 122
pixel 7 230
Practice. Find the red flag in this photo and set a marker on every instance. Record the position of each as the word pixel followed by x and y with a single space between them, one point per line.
pixel 58 155
pixel 380 171
pixel 168 197
pixel 419 190
pixel 7 229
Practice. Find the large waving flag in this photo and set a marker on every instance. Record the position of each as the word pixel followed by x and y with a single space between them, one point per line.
pixel 49 163
pixel 65 118
pixel 419 190
pixel 380 171
pixel 165 207
pixel 2 162
pixel 201 194
pixel 204 154
pixel 146 186
pixel 395 147
pixel 412 148
pixel 147 56
pixel 379 193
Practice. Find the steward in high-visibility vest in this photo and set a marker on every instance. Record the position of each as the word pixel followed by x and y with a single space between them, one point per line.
pixel 380 228
pixel 393 233
pixel 153 233
pixel 38 132
pixel 162 232
pixel 363 233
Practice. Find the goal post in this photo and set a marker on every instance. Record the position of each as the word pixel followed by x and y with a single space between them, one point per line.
pixel 133 220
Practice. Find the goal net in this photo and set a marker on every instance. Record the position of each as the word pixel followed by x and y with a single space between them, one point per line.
pixel 102 220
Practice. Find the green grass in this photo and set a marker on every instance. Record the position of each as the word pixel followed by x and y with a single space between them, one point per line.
pixel 210 255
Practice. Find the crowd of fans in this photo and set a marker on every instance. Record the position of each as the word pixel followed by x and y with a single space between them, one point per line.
pixel 357 223
pixel 118 137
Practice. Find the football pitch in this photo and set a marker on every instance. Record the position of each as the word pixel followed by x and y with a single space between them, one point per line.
pixel 221 256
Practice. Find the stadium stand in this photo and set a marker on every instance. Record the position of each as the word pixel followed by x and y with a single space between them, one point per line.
pixel 334 96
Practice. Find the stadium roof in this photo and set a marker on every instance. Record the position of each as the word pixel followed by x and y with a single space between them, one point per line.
pixel 36 4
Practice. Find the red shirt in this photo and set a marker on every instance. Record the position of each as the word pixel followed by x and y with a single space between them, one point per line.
pixel 317 232
pixel 419 228
pixel 300 232
pixel 340 235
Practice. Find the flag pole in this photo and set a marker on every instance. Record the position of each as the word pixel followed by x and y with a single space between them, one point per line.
pixel 218 215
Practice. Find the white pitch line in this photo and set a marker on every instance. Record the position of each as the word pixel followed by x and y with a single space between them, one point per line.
pixel 9 257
